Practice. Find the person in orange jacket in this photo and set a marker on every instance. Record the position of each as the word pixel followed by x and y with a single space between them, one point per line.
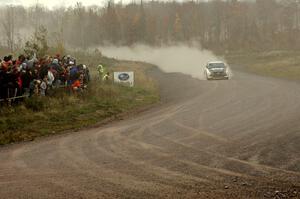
pixel 76 85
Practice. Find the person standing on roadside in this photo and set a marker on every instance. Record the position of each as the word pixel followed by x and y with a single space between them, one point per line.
pixel 50 77
pixel 106 77
pixel 101 71
pixel 43 86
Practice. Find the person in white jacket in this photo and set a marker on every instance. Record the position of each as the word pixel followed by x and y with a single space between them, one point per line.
pixel 50 78
pixel 43 87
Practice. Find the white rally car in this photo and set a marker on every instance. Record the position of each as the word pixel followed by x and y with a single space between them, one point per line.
pixel 216 70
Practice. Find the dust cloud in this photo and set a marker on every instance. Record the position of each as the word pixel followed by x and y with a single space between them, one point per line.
pixel 179 58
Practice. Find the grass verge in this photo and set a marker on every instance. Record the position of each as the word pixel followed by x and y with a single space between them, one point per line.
pixel 63 110
pixel 279 64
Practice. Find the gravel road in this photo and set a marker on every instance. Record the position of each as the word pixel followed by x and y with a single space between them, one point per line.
pixel 207 139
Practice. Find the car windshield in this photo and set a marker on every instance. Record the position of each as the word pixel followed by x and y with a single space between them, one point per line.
pixel 216 65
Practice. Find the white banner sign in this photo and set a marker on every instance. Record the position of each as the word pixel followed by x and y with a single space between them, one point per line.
pixel 124 77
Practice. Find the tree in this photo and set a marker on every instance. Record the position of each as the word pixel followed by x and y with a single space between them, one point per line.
pixel 137 26
pixel 38 44
pixel 177 28
pixel 111 24
pixel 9 27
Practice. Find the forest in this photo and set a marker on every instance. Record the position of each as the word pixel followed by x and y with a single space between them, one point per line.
pixel 218 25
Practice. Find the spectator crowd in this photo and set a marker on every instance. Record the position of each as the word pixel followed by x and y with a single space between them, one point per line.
pixel 30 76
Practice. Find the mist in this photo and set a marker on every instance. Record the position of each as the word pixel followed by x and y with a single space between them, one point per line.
pixel 180 58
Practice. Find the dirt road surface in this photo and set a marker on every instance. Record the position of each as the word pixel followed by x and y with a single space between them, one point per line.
pixel 207 139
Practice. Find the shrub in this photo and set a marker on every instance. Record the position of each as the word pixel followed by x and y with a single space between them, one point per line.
pixel 35 104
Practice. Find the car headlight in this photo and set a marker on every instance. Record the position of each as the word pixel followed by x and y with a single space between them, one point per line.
pixel 226 71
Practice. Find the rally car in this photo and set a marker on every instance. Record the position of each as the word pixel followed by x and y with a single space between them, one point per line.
pixel 216 70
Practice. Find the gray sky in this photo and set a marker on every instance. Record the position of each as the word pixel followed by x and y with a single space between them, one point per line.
pixel 52 3
pixel 66 3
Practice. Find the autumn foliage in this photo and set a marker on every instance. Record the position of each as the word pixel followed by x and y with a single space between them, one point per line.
pixel 221 25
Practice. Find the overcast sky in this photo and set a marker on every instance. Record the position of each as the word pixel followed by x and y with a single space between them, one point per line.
pixel 52 3
pixel 66 3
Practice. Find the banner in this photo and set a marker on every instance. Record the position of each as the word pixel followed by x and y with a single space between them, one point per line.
pixel 124 77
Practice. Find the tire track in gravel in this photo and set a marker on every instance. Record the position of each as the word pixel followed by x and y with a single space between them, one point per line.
pixel 208 139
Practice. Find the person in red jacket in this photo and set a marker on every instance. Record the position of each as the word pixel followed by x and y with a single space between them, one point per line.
pixel 6 64
pixel 76 85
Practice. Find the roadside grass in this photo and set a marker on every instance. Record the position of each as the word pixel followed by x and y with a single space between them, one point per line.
pixel 64 110
pixel 279 64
